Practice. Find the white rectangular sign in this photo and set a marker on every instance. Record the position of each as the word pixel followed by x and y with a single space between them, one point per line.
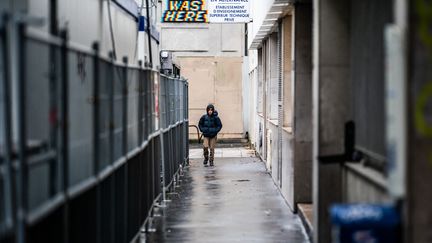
pixel 396 110
pixel 228 11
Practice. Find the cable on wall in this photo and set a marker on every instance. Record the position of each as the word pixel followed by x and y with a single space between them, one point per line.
pixel 111 30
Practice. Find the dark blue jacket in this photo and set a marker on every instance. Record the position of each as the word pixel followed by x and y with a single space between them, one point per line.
pixel 210 126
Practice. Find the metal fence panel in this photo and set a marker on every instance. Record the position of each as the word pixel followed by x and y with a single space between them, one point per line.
pixel 163 102
pixel 41 109
pixel 104 114
pixel 80 117
pixel 98 111
pixel 133 98
pixel 148 103
pixel 119 86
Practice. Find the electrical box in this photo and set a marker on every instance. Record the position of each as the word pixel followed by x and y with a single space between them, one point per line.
pixel 166 61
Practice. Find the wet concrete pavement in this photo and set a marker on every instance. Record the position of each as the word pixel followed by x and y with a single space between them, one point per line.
pixel 235 201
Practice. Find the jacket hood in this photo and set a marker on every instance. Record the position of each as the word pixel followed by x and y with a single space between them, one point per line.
pixel 210 106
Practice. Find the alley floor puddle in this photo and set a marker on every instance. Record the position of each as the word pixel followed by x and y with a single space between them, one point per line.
pixel 235 201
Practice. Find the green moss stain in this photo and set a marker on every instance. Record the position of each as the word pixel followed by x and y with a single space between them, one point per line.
pixel 424 12
pixel 421 123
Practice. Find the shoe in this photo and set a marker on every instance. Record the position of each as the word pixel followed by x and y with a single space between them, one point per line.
pixel 205 162
pixel 211 163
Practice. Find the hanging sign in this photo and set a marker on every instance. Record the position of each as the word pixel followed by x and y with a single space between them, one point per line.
pixel 228 11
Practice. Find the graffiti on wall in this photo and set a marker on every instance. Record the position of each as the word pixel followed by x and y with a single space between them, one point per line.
pixel 192 11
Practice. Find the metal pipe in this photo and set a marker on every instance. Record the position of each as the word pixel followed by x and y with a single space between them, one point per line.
pixel 198 135
pixel 149 34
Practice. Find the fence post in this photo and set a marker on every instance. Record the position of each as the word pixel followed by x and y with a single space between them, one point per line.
pixel 96 116
pixel 140 103
pixel 125 142
pixel 65 132
pixel 9 175
pixel 125 105
pixel 162 148
pixel 96 77
pixel 111 145
pixel 22 181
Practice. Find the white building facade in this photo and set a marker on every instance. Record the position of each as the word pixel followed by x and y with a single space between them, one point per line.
pixel 280 77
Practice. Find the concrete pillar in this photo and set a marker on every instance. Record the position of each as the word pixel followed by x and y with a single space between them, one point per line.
pixel 330 105
pixel 302 131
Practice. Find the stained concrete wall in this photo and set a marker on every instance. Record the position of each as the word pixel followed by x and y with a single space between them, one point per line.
pixel 253 97
pixel 216 80
pixel 211 58
pixel 287 187
pixel 287 28
pixel 272 154
pixel 203 39
pixel 273 75
pixel 302 109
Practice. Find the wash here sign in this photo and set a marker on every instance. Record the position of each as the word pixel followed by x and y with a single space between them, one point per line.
pixel 192 11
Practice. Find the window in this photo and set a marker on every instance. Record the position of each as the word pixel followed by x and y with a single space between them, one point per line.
pixel 287 71
pixel 260 87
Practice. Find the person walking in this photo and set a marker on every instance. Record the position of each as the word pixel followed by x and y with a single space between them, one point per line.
pixel 210 125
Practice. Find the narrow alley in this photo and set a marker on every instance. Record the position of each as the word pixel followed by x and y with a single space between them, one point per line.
pixel 215 121
pixel 234 201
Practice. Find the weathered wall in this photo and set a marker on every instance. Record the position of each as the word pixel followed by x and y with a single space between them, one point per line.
pixel 288 169
pixel 211 58
pixel 302 108
pixel 216 80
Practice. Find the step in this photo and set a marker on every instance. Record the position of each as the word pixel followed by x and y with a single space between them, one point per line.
pixel 305 212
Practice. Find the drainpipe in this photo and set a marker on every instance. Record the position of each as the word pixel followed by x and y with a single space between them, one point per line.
pixel 149 34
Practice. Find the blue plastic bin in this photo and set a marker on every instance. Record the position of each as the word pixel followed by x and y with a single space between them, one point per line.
pixel 365 223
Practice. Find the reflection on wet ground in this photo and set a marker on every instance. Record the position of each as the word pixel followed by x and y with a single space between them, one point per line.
pixel 235 201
